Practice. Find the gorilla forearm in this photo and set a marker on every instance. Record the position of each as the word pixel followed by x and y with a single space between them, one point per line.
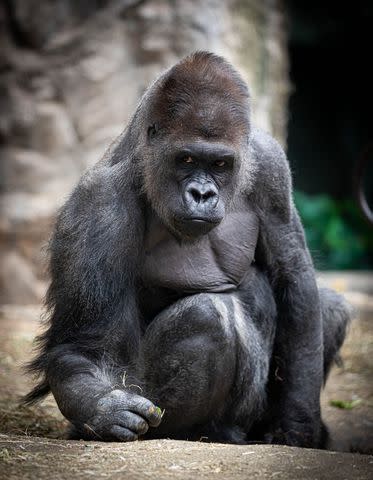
pixel 94 397
pixel 76 382
pixel 298 361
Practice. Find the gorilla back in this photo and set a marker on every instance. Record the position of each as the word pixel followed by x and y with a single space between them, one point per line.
pixel 180 278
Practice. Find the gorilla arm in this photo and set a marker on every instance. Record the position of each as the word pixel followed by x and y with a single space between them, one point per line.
pixel 94 325
pixel 297 360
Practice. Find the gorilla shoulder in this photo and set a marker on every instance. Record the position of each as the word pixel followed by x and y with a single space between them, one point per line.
pixel 272 188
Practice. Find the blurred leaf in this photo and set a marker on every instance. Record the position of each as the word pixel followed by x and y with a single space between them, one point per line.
pixel 337 235
pixel 345 405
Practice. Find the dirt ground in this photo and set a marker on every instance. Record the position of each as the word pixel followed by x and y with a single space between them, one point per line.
pixel 41 459
pixel 32 445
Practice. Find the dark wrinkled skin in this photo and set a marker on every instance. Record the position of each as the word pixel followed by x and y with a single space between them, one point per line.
pixel 183 300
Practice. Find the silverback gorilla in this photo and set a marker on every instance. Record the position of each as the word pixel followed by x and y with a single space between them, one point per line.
pixel 183 300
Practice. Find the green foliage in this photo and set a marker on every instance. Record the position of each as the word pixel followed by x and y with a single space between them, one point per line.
pixel 345 405
pixel 337 235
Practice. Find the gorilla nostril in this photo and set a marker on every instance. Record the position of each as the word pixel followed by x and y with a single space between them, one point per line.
pixel 196 194
pixel 208 194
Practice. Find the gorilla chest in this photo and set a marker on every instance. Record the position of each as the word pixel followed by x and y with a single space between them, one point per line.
pixel 217 262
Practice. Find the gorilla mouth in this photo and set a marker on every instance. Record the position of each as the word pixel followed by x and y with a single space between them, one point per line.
pixel 201 220
pixel 195 226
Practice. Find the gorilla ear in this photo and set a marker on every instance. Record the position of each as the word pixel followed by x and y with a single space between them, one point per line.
pixel 152 131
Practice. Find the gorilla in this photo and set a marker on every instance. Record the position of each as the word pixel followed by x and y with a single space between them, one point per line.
pixel 183 301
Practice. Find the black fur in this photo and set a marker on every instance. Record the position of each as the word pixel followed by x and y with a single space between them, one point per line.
pixel 180 277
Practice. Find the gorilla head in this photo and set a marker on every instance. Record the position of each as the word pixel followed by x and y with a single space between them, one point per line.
pixel 197 125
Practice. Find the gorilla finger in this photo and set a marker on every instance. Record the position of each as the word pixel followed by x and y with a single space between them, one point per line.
pixel 146 409
pixel 131 420
pixel 122 434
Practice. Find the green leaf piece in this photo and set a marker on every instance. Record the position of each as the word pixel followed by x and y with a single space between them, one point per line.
pixel 345 405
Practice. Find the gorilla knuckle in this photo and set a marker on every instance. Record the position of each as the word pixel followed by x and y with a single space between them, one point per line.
pixel 111 400
pixel 132 421
pixel 142 427
pixel 122 434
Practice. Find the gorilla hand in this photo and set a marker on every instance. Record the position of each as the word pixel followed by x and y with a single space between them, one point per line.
pixel 122 416
pixel 301 432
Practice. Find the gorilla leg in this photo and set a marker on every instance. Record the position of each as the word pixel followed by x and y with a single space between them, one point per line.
pixel 190 362
pixel 205 361
pixel 336 314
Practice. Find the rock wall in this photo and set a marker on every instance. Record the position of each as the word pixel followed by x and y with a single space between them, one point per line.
pixel 71 73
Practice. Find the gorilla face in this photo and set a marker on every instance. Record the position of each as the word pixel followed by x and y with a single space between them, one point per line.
pixel 202 174
pixel 193 185
pixel 190 177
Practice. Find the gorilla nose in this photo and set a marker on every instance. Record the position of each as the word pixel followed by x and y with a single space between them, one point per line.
pixel 206 194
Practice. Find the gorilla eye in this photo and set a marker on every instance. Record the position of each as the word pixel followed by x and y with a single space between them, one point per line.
pixel 220 163
pixel 188 160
